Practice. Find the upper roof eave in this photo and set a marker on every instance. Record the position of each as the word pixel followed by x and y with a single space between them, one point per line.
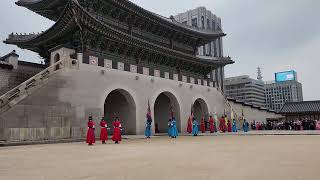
pixel 31 41
pixel 206 34
pixel 35 3
pixel 27 2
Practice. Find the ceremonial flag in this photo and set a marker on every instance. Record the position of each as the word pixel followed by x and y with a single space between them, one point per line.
pixel 242 115
pixel 191 110
pixel 171 112
pixel 149 111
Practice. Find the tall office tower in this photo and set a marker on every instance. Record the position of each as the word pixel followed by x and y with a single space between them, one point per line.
pixel 203 19
pixel 246 89
pixel 285 88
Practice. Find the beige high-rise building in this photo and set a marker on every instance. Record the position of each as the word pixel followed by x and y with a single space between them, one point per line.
pixel 205 20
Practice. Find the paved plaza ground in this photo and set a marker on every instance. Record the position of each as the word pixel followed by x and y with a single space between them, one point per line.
pixel 186 158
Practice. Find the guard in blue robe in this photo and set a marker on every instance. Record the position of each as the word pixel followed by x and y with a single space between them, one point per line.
pixel 245 126
pixel 147 131
pixel 170 127
pixel 174 129
pixel 195 129
pixel 234 126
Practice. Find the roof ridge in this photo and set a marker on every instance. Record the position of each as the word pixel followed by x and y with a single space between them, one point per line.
pixel 299 102
pixel 12 53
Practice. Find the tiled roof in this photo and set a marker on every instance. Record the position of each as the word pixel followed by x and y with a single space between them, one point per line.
pixel 31 64
pixel 13 53
pixel 301 107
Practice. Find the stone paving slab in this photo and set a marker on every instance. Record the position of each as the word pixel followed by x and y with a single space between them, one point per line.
pixel 58 141
pixel 317 132
pixel 185 158
pixel 133 137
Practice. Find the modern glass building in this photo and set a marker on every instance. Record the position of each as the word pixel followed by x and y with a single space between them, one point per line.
pixel 246 89
pixel 284 89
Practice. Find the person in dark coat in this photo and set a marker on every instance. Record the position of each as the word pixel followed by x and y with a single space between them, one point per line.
pixel 245 126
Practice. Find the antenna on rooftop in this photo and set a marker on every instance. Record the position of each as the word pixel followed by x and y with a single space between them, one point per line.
pixel 259 74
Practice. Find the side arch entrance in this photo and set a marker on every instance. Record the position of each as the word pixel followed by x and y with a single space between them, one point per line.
pixel 200 108
pixel 119 103
pixel 162 109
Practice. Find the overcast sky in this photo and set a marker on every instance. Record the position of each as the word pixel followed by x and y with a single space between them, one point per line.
pixel 276 35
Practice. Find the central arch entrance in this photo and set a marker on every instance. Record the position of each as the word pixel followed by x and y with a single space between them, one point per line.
pixel 201 110
pixel 162 109
pixel 119 103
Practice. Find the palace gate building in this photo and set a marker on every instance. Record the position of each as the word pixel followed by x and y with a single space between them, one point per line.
pixel 110 58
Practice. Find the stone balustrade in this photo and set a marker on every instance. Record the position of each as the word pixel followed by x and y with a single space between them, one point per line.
pixel 18 93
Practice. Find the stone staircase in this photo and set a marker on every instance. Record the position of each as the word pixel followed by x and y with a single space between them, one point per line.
pixel 17 94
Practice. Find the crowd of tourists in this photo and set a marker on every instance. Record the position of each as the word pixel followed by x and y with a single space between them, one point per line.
pixel 298 125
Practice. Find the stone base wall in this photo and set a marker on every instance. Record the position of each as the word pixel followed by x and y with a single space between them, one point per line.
pixel 72 95
pixel 251 114
pixel 33 134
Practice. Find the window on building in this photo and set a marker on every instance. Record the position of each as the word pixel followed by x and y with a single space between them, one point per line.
pixel 215 49
pixel 202 21
pixel 210 49
pixel 208 24
pixel 213 25
pixel 220 47
pixel 194 22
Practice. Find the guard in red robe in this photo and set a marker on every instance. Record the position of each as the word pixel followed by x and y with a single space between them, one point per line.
pixel 222 124
pixel 104 131
pixel 116 131
pixel 203 126
pixel 229 126
pixel 189 127
pixel 211 124
pixel 90 133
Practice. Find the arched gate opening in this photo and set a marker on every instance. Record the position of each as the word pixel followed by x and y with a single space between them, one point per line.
pixel 162 108
pixel 119 103
pixel 201 110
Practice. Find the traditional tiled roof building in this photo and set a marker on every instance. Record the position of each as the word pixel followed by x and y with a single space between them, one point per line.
pixel 111 58
pixel 309 110
pixel 119 28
